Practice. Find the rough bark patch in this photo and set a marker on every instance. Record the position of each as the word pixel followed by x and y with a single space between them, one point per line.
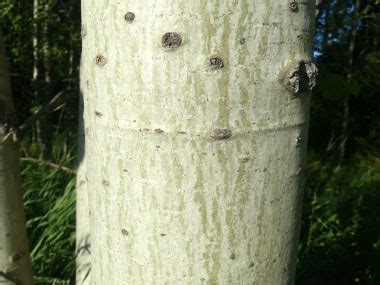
pixel 171 40
pixel 221 134
pixel 299 77
pixel 216 62
pixel 100 60
pixel 293 5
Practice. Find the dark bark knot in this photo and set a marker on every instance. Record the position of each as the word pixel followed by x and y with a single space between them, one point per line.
pixel 158 131
pixel 171 40
pixel 16 257
pixel 298 140
pixel 299 77
pixel 216 62
pixel 129 17
pixel 100 60
pixel 8 121
pixel 293 5
pixel 221 134
pixel 83 32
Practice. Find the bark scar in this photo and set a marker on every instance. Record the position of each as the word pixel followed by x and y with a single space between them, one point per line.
pixel 16 256
pixel 171 40
pixel 221 134
pixel 293 5
pixel 299 77
pixel 100 60
pixel 216 62
pixel 129 17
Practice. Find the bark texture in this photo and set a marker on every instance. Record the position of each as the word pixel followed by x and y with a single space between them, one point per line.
pixel 195 152
pixel 15 265
pixel 83 245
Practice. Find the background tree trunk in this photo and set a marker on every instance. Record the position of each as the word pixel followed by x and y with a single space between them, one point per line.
pixel 15 265
pixel 40 71
pixel 350 71
pixel 195 153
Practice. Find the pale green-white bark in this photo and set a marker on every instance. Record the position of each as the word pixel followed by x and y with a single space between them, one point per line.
pixel 83 245
pixel 195 151
pixel 15 265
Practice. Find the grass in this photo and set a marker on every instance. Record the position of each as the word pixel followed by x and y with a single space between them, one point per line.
pixel 49 197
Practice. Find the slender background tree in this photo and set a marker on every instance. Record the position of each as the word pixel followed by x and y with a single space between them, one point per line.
pixel 15 265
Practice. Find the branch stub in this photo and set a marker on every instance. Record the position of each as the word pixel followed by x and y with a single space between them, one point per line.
pixel 299 77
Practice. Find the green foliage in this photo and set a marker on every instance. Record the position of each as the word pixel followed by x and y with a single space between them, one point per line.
pixel 336 87
pixel 340 234
pixel 54 27
pixel 50 209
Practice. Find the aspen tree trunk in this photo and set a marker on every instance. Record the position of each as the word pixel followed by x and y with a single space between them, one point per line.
pixel 15 265
pixel 83 244
pixel 83 249
pixel 196 117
